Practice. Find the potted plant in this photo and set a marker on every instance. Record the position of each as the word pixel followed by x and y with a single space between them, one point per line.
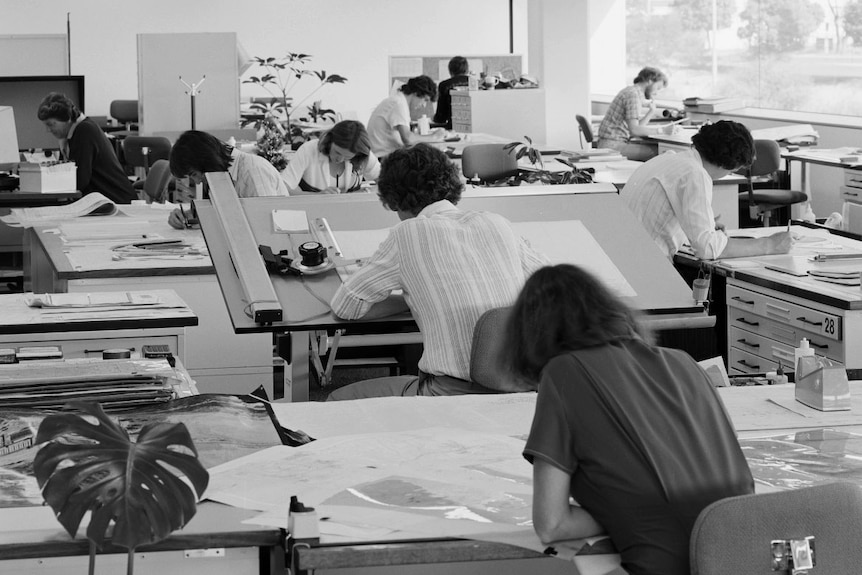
pixel 280 78
pixel 539 173
pixel 131 488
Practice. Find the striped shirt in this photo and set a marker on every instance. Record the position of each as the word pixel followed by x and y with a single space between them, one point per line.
pixel 254 176
pixel 627 105
pixel 452 266
pixel 671 194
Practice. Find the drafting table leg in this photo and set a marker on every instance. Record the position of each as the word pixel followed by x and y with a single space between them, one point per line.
pixel 296 366
pixel 798 210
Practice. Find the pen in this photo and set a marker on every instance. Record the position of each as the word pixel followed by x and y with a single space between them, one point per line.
pixel 186 219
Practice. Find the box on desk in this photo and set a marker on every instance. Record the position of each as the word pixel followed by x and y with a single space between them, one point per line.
pixel 822 384
pixel 48 177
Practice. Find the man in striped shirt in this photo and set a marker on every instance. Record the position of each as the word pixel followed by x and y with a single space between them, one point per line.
pixel 452 266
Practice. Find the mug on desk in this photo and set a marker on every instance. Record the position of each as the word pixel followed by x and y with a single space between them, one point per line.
pixel 491 81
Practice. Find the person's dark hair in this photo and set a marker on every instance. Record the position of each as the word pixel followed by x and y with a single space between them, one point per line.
pixel 458 66
pixel 415 177
pixel 421 86
pixel 564 308
pixel 57 106
pixel 196 151
pixel 650 74
pixel 350 135
pixel 726 144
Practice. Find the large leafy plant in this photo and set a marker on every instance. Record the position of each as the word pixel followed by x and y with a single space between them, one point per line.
pixel 526 149
pixel 279 77
pixel 134 487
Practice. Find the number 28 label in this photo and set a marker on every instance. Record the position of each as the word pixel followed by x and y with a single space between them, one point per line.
pixel 829 325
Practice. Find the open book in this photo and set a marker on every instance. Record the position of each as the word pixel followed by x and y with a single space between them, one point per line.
pixel 92 204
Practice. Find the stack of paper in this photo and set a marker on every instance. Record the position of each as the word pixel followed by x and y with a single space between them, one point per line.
pixel 712 105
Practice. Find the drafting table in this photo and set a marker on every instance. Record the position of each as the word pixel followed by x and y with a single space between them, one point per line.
pixel 659 290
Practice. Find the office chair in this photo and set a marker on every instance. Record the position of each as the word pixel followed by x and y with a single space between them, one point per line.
pixel 585 131
pixel 743 534
pixel 125 112
pixel 141 152
pixel 762 201
pixel 157 182
pixel 488 162
pixel 486 354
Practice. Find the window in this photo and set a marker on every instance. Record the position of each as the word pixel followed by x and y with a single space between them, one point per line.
pixel 799 55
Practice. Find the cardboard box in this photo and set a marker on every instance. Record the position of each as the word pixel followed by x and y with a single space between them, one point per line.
pixel 47 178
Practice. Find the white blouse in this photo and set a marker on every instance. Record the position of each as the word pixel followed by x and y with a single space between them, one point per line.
pixel 312 166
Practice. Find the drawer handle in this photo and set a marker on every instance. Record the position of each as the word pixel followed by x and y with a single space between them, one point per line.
pixel 748 365
pixel 101 350
pixel 743 342
pixel 854 194
pixel 808 321
pixel 779 308
pixel 739 299
pixel 818 346
pixel 746 322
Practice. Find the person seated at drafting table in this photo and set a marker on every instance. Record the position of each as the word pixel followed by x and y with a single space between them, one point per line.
pixel 82 141
pixel 625 118
pixel 459 71
pixel 195 153
pixel 671 195
pixel 452 266
pixel 389 125
pixel 337 163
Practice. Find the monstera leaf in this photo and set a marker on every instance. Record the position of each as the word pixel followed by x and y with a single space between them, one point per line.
pixel 134 486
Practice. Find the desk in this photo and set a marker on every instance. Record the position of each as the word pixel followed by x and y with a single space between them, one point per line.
pixel 850 191
pixel 660 292
pixel 217 358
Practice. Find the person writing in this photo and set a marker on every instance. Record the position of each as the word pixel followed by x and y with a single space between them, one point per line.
pixel 452 266
pixel 672 195
pixel 625 118
pixel 459 71
pixel 82 141
pixel 195 153
pixel 389 125
pixel 337 163
pixel 636 434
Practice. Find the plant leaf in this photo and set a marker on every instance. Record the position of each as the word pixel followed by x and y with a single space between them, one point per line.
pixel 136 486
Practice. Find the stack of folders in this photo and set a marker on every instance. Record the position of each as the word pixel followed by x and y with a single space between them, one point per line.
pixel 591 155
pixel 115 384
pixel 712 105
pixel 847 278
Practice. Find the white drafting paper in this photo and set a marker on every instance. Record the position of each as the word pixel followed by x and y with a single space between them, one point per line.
pixel 290 221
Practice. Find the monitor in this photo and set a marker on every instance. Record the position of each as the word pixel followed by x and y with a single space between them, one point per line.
pixel 8 138
pixel 25 93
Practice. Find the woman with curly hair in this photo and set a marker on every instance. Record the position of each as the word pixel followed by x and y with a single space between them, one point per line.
pixel 452 266
pixel 389 125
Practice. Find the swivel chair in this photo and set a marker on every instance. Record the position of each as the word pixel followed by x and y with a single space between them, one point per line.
pixel 762 201
pixel 753 533
pixel 141 152
pixel 125 112
pixel 585 131
pixel 158 181
pixel 488 162
pixel 486 354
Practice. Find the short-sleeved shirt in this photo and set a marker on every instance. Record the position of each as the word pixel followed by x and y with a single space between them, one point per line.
pixel 626 105
pixel 671 195
pixel 452 266
pixel 647 441
pixel 390 113
pixel 311 166
pixel 254 176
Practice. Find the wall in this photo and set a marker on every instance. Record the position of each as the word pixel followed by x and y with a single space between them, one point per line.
pixel 348 37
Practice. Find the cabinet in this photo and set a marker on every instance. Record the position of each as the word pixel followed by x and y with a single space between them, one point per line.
pixel 765 325
pixel 508 113
pixel 851 194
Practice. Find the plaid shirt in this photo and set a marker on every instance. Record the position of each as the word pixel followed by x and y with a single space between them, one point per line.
pixel 627 105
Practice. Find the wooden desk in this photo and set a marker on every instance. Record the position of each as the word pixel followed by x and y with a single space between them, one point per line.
pixel 214 542
pixel 217 358
pixel 660 292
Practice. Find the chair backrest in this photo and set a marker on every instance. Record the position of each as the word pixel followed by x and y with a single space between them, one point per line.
pixel 157 148
pixel 767 158
pixel 486 353
pixel 489 162
pixel 735 535
pixel 585 128
pixel 158 179
pixel 124 111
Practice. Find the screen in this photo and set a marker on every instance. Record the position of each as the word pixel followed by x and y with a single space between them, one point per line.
pixel 25 93
pixel 8 137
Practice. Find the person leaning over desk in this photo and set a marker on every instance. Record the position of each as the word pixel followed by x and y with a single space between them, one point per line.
pixel 625 118
pixel 636 434
pixel 672 195
pixel 195 153
pixel 82 141
pixel 459 71
pixel 451 265
pixel 337 163
pixel 389 125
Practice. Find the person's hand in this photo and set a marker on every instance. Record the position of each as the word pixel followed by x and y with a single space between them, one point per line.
pixel 651 105
pixel 719 226
pixel 780 243
pixel 176 219
pixel 330 190
pixel 438 134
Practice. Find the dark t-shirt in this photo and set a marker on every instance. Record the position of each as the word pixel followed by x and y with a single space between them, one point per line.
pixel 97 166
pixel 443 114
pixel 647 441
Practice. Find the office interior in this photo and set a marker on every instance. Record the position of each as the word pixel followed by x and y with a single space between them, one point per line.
pixel 562 43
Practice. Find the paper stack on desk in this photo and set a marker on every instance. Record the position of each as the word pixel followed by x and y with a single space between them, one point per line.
pixel 48 177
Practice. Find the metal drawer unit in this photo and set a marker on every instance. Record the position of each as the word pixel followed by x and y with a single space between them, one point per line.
pixel 461 111
pixel 92 344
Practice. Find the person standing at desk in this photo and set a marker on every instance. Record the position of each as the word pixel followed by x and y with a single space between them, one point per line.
pixel 635 433
pixel 389 125
pixel 672 195
pixel 459 71
pixel 82 141
pixel 625 118
pixel 451 265
pixel 195 153
pixel 335 164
